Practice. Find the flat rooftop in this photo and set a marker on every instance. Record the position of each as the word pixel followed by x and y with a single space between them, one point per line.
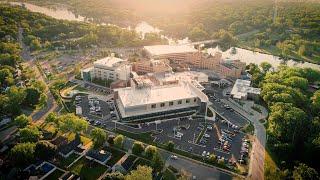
pixel 136 96
pixel 242 87
pixel 108 61
pixel 169 49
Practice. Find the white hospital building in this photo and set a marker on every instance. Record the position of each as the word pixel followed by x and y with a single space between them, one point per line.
pixel 111 68
pixel 151 98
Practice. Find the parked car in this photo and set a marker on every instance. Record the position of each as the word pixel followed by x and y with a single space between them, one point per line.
pixel 204 153
pixel 174 157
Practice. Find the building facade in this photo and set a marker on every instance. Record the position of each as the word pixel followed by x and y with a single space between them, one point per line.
pixel 152 66
pixel 109 68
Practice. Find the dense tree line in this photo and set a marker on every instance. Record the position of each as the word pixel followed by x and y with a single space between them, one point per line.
pixel 45 32
pixel 293 124
pixel 293 33
pixel 18 86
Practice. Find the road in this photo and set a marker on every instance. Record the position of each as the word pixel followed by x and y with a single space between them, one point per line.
pixel 200 171
pixel 25 53
pixel 51 104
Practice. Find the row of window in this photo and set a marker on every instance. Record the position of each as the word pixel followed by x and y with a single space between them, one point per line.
pixel 171 103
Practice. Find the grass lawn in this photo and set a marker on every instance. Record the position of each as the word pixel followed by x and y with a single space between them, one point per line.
pixel 54 175
pixel 64 162
pixel 87 169
pixel 249 128
pixel 84 140
pixel 142 162
pixel 168 175
pixel 80 88
pixel 115 157
pixel 201 134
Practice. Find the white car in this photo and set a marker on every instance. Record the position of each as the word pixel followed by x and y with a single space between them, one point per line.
pixel 206 135
pixel 204 153
pixel 174 157
pixel 209 128
pixel 208 154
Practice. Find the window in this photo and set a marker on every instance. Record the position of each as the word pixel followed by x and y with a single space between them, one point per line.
pixel 179 102
pixel 171 103
pixel 153 106
pixel 187 100
pixel 162 104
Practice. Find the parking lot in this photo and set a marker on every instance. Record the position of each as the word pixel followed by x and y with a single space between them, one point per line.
pixel 202 138
pixel 193 135
pixel 215 96
pixel 97 88
pixel 96 111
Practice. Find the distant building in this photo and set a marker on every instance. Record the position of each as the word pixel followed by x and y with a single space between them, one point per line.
pixel 152 66
pixel 110 68
pixel 177 53
pixel 243 91
pixel 156 98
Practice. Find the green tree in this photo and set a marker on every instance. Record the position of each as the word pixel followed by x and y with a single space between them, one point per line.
pixel 30 134
pixel 316 102
pixel 137 148
pixel 170 146
pixel 5 74
pixel 98 136
pixel 16 95
pixel 297 82
pixel 45 150
pixel 197 34
pixel 22 121
pixel 32 96
pixel 157 162
pixel 142 173
pixel 114 176
pixel 110 139
pixel 35 44
pixel 303 172
pixel 302 50
pixel 52 118
pixel 72 123
pixel 265 66
pixel 212 158
pixel 150 151
pixel 118 141
pixel 38 85
pixel 22 153
pixel 287 122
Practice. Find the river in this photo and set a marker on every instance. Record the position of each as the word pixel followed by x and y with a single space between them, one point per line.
pixel 142 28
